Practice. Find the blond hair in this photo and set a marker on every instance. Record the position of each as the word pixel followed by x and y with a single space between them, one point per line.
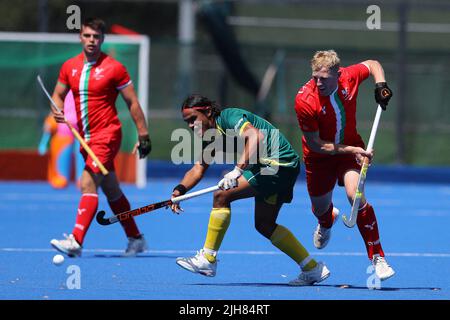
pixel 325 59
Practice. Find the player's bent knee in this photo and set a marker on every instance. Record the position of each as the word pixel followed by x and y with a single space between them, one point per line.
pixel 265 228
pixel 112 193
pixel 221 199
pixel 87 186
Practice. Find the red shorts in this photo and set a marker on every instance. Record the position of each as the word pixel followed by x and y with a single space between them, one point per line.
pixel 322 173
pixel 105 149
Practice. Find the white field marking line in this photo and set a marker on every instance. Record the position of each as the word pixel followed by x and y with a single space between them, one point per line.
pixel 239 252
pixel 14 196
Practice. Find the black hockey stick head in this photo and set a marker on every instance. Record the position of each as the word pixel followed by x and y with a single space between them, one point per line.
pixel 101 218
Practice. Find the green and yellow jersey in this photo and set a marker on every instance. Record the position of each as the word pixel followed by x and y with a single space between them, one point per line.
pixel 278 151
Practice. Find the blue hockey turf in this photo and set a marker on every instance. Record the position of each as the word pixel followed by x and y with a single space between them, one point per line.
pixel 413 221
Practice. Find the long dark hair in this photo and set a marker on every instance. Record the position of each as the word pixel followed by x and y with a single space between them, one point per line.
pixel 202 104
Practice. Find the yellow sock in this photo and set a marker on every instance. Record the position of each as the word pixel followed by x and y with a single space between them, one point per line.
pixel 284 240
pixel 219 220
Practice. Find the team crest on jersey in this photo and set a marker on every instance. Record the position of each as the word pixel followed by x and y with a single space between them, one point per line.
pixel 74 72
pixel 98 73
pixel 324 110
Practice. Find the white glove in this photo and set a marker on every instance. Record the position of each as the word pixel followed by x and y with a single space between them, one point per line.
pixel 230 180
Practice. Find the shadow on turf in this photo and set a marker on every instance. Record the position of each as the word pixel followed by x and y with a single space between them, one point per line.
pixel 339 286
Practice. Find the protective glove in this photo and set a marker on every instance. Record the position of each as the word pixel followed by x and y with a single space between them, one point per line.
pixel 382 94
pixel 230 180
pixel 145 146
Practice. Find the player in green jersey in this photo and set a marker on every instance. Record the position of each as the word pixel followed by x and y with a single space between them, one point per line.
pixel 266 170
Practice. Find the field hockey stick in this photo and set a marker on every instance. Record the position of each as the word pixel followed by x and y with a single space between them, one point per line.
pixel 350 222
pixel 151 207
pixel 74 131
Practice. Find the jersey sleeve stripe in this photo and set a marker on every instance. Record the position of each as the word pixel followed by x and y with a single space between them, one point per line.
pixel 124 85
pixel 243 127
pixel 62 84
pixel 367 66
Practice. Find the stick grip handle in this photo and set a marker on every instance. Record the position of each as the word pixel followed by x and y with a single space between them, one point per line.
pixel 373 132
pixel 74 131
pixel 86 147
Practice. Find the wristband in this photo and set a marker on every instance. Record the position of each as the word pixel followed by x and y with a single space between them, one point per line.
pixel 380 84
pixel 181 189
pixel 236 168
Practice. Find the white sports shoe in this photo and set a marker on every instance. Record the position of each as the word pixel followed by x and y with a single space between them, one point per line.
pixel 308 278
pixel 68 245
pixel 198 264
pixel 135 246
pixel 322 235
pixel 382 269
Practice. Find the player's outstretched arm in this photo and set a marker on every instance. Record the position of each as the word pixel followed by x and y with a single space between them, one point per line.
pixel 190 180
pixel 144 145
pixel 59 94
pixel 326 147
pixel 376 70
pixel 253 137
pixel 382 92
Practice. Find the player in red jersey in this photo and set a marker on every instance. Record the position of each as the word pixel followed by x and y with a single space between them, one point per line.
pixel 332 147
pixel 95 80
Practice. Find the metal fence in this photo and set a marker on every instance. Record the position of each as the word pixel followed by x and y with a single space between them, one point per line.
pixel 412 43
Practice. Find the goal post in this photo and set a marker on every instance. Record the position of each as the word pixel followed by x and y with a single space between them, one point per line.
pixel 24 55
